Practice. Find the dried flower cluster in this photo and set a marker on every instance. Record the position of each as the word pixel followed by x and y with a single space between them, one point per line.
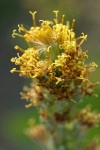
pixel 55 61
pixel 88 118
pixel 37 133
pixel 34 94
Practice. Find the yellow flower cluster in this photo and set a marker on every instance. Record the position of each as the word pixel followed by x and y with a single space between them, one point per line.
pixel 54 56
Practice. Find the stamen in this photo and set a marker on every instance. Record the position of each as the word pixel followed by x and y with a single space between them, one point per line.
pixel 14 70
pixel 46 22
pixel 94 64
pixel 73 23
pixel 68 24
pixel 29 105
pixel 48 52
pixel 84 38
pixel 63 17
pixel 73 100
pixel 33 17
pixel 16 34
pixel 19 48
pixel 78 38
pixel 43 22
pixel 21 28
pixel 56 13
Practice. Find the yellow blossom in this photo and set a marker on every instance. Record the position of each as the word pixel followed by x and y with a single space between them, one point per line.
pixel 54 55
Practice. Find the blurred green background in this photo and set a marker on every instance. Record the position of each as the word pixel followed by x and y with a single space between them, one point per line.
pixel 13 115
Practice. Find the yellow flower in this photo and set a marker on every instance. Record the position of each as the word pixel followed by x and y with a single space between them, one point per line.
pixel 47 43
pixel 54 54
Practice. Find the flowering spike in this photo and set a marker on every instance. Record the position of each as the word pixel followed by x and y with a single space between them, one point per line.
pixel 33 16
pixel 55 62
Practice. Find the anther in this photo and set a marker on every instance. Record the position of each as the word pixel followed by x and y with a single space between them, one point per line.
pixel 63 17
pixel 73 23
pixel 14 70
pixel 19 48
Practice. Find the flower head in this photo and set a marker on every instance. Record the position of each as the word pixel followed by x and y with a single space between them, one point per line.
pixel 54 56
